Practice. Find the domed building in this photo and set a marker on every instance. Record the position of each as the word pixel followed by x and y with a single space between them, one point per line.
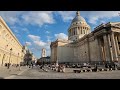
pixel 100 46
pixel 78 28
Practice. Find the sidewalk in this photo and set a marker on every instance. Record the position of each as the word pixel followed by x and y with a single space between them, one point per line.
pixel 4 72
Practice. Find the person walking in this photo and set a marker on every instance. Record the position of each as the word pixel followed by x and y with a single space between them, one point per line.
pixel 20 67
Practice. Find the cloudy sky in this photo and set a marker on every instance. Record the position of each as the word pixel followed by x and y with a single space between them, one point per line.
pixel 39 28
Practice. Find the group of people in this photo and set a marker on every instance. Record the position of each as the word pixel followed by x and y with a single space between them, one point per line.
pixel 113 65
pixel 61 68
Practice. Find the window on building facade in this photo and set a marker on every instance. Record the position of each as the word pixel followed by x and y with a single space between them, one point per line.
pixel 74 32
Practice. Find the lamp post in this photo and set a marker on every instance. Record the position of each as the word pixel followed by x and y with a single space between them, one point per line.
pixel 9 58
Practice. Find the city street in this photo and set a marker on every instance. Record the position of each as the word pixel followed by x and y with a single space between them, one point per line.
pixel 37 73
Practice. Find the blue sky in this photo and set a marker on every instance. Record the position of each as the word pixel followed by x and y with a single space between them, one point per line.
pixel 39 28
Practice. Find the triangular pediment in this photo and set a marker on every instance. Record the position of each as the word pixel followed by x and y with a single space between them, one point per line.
pixel 116 25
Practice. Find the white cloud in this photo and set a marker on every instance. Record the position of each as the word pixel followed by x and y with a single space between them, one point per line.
pixel 94 16
pixel 38 17
pixel 11 16
pixel 34 38
pixel 28 43
pixel 67 15
pixel 38 44
pixel 47 32
pixel 28 17
pixel 61 36
pixel 48 38
pixel 46 17
pixel 26 30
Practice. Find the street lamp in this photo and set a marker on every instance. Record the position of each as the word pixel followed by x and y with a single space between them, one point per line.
pixel 9 58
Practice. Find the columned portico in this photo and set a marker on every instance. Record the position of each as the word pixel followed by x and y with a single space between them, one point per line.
pixel 99 49
pixel 117 46
pixel 114 50
pixel 110 47
pixel 107 48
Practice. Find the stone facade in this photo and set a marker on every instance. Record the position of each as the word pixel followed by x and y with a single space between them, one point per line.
pixel 11 51
pixel 99 46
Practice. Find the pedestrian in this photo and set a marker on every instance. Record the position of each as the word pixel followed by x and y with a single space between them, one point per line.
pixel 19 67
pixel 110 66
pixel 106 65
pixel 58 68
pixel 63 68
pixel 32 64
pixel 95 67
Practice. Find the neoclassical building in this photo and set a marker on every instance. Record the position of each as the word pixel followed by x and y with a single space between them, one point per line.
pixel 11 50
pixel 99 46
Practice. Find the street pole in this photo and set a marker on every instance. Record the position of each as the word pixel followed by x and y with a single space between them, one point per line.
pixel 17 58
pixel 9 58
pixel 3 59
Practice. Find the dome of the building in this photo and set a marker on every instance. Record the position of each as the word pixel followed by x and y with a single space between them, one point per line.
pixel 78 28
pixel 78 18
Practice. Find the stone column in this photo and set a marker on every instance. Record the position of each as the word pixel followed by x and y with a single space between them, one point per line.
pixel 114 47
pixel 107 49
pixel 117 47
pixel 99 49
pixel 81 31
pixel 72 31
pixel 109 43
pixel 119 37
pixel 77 31
pixel 102 52
pixel 88 46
